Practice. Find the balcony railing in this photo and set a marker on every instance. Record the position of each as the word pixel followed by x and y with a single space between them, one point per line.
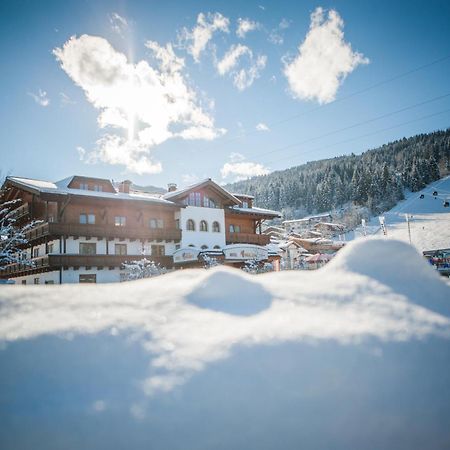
pixel 54 262
pixel 21 212
pixel 103 231
pixel 247 238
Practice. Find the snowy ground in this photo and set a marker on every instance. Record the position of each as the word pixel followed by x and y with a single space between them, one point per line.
pixel 430 225
pixel 354 355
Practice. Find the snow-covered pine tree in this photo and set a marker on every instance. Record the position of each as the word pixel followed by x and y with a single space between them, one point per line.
pixel 12 235
pixel 141 268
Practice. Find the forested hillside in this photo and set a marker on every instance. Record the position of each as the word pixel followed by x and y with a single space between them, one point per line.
pixel 375 179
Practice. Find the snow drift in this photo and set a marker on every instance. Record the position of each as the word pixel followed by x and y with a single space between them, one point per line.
pixel 346 355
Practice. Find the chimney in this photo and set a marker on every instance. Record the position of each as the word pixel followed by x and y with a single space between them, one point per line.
pixel 124 186
pixel 171 187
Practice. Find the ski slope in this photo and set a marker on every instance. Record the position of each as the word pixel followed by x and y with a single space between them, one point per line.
pixel 430 222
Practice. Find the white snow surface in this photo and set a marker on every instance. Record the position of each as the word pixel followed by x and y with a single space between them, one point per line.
pixel 375 288
pixel 353 355
pixel 430 223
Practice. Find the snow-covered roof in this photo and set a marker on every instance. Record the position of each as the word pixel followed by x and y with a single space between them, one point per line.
pixel 60 187
pixel 224 192
pixel 305 219
pixel 243 195
pixel 255 210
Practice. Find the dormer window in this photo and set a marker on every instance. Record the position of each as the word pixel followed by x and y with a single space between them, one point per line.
pixel 84 186
pixel 98 188
pixel 245 204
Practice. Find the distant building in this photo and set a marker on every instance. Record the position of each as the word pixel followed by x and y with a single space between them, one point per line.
pixel 90 228
pixel 299 225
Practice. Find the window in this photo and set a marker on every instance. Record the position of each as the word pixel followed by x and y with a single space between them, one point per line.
pixel 50 248
pixel 88 278
pixel 195 199
pixel 119 221
pixel 24 281
pixel 156 223
pixel 158 250
pixel 35 252
pixel 87 219
pixel 245 204
pixel 49 282
pixel 216 227
pixel 98 188
pixel 235 228
pixel 190 225
pixel 203 225
pixel 88 248
pixel 204 247
pixel 177 247
pixel 36 280
pixel 205 201
pixel 191 245
pixel 212 203
pixel 177 224
pixel 120 249
pixel 217 247
pixel 84 186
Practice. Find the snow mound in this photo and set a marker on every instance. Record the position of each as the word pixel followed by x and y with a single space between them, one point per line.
pixel 397 265
pixel 231 292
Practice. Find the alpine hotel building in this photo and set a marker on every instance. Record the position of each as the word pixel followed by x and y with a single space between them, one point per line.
pixel 89 228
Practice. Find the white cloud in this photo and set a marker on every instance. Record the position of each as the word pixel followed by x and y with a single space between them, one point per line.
pixel 99 406
pixel 262 127
pixel 244 76
pixel 284 24
pixel 139 104
pixel 197 39
pixel 231 58
pixel 245 26
pixel 275 35
pixel 40 98
pixel 138 411
pixel 324 59
pixel 65 99
pixel 118 23
pixel 240 169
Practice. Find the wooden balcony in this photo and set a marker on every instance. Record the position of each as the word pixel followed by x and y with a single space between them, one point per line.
pixel 20 213
pixel 54 262
pixel 247 238
pixel 102 231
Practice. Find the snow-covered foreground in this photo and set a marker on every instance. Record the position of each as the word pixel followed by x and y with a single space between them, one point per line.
pixel 354 355
pixel 430 223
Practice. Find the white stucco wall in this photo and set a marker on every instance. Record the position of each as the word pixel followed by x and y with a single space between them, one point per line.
pixel 133 247
pixel 47 276
pixel 103 276
pixel 199 238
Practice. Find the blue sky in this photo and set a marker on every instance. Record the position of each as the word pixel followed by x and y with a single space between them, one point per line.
pixel 103 104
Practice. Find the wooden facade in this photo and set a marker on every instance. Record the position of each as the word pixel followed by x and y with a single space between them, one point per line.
pixel 79 210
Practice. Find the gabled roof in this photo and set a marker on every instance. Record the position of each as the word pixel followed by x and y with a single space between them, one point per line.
pixel 181 193
pixel 60 188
